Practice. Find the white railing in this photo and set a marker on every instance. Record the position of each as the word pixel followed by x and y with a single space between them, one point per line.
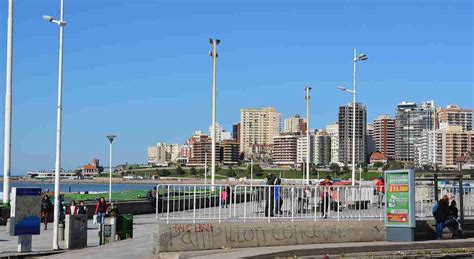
pixel 294 202
pixel 425 199
pixel 202 203
pixel 193 202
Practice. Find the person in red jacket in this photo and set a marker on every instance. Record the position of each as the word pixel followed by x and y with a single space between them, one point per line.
pixel 380 190
pixel 100 210
pixel 325 196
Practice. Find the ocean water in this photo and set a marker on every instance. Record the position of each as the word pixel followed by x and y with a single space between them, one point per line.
pixel 80 187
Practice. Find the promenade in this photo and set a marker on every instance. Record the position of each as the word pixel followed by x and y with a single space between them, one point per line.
pixel 140 246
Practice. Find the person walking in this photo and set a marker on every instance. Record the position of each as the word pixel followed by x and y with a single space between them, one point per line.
pixel 325 196
pixel 223 197
pixel 100 210
pixel 46 207
pixel 278 197
pixel 440 213
pixel 112 210
pixel 81 209
pixel 380 189
pixel 270 195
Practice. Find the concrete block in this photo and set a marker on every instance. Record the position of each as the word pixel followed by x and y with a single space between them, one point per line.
pixel 76 231
pixel 192 237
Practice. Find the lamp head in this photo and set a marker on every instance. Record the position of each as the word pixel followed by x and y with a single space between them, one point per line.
pixel 111 137
pixel 362 57
pixel 342 88
pixel 48 18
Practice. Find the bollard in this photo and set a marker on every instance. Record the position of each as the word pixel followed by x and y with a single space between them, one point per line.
pixel 8 226
pixel 61 231
pixel 113 230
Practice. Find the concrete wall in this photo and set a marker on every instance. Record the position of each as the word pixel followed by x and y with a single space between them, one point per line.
pixel 191 237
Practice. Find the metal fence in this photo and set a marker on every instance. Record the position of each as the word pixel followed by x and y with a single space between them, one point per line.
pixel 200 203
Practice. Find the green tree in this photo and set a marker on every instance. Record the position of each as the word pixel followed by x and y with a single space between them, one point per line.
pixel 394 165
pixel 345 169
pixel 193 171
pixel 335 168
pixel 180 171
pixel 257 170
pixel 231 172
pixel 377 164
pixel 164 173
pixel 313 171
pixel 363 165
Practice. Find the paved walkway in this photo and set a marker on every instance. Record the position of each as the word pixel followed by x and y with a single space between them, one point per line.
pixel 138 247
pixel 335 250
pixel 141 245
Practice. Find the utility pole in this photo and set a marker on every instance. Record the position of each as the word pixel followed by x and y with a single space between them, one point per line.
pixel 213 54
pixel 8 108
pixel 308 153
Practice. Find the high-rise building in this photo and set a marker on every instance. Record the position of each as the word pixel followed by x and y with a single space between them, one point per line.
pixel 285 148
pixel 369 140
pixel 236 132
pixel 229 152
pixel 163 154
pixel 202 151
pixel 425 149
pixel 346 130
pixel 453 115
pixel 257 129
pixel 295 124
pixel 333 132
pixel 322 143
pixel 384 135
pixel 410 121
pixel 302 148
pixel 450 143
pixel 221 134
pixel 197 136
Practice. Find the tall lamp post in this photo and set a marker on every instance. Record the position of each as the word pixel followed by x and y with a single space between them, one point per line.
pixel 308 160
pixel 8 108
pixel 111 139
pixel 360 57
pixel 213 54
pixel 61 23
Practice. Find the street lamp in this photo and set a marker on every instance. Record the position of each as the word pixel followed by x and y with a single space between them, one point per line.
pixel 213 54
pixel 308 160
pixel 61 23
pixel 360 57
pixel 8 108
pixel 111 139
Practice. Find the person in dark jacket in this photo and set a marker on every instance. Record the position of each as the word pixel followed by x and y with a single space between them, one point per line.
pixel 81 209
pixel 452 222
pixel 441 215
pixel 46 207
pixel 112 210
pixel 270 195
pixel 100 210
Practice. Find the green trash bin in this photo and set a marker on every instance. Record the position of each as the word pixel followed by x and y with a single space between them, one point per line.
pixel 125 226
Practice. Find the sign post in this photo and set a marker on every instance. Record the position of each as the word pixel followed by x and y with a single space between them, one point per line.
pixel 25 217
pixel 400 205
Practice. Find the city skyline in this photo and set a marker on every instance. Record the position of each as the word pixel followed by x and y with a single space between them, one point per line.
pixel 172 72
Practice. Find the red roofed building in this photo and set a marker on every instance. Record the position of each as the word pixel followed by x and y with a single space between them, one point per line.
pixel 91 169
pixel 378 157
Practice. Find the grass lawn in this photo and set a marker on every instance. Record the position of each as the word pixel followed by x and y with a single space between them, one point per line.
pixel 116 196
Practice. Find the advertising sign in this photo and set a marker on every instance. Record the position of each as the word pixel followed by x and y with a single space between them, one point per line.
pixel 399 199
pixel 25 211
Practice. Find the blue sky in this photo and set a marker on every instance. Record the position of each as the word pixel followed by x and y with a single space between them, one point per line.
pixel 140 69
